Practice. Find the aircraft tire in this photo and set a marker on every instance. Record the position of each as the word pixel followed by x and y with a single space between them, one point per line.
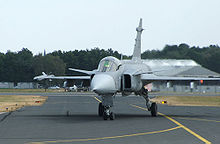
pixel 112 116
pixel 105 116
pixel 153 109
pixel 101 109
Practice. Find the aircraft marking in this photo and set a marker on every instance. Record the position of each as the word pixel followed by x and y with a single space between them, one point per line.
pixel 179 124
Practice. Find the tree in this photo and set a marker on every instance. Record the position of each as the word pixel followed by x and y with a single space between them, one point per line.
pixel 1 66
pixel 48 64
pixel 17 67
pixel 10 67
pixel 25 65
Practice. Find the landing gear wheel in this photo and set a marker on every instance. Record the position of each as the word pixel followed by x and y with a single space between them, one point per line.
pixel 153 109
pixel 105 116
pixel 101 109
pixel 107 113
pixel 112 116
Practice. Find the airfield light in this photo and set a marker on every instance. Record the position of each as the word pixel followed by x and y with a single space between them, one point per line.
pixel 164 102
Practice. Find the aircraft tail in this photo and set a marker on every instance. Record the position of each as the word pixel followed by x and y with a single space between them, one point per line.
pixel 137 47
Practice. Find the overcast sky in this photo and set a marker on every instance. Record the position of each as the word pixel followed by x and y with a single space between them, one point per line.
pixel 84 24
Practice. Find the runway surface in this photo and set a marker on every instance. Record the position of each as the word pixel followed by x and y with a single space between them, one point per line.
pixel 72 118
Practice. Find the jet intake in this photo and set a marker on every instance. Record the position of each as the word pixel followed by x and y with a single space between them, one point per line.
pixel 127 81
pixel 130 83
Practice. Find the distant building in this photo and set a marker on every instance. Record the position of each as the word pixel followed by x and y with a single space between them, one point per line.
pixel 6 85
pixel 182 68
pixel 19 85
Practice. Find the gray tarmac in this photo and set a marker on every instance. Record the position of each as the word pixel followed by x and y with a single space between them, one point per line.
pixel 71 118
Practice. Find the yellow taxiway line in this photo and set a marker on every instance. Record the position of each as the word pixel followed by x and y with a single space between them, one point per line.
pixel 129 135
pixel 97 99
pixel 104 138
pixel 179 124
pixel 198 119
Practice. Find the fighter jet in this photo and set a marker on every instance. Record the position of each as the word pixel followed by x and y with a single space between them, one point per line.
pixel 122 76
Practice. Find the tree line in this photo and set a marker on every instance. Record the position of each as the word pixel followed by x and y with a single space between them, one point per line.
pixel 22 66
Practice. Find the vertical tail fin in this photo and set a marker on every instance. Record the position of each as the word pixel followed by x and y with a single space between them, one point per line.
pixel 137 47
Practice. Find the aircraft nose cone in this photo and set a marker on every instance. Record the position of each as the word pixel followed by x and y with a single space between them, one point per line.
pixel 103 84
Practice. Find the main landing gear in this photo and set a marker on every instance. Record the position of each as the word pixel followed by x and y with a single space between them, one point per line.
pixel 152 107
pixel 105 112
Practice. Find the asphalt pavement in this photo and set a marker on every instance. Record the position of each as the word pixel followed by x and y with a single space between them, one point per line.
pixel 72 118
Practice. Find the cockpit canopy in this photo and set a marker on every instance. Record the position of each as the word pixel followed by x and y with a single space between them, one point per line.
pixel 109 64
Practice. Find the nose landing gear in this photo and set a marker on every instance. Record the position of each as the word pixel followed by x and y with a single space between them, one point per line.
pixel 108 114
pixel 105 112
pixel 101 109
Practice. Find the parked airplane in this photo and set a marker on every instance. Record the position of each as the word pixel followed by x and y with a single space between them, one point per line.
pixel 125 76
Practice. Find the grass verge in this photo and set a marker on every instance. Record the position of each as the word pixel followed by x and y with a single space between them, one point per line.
pixel 188 100
pixel 13 102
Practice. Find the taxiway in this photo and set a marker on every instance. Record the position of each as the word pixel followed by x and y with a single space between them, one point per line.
pixel 72 118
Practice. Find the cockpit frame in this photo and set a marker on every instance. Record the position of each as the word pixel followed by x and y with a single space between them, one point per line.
pixel 109 64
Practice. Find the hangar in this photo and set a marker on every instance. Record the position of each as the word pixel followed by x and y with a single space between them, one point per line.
pixel 182 68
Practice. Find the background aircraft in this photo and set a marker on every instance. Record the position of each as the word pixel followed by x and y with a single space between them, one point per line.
pixel 125 76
